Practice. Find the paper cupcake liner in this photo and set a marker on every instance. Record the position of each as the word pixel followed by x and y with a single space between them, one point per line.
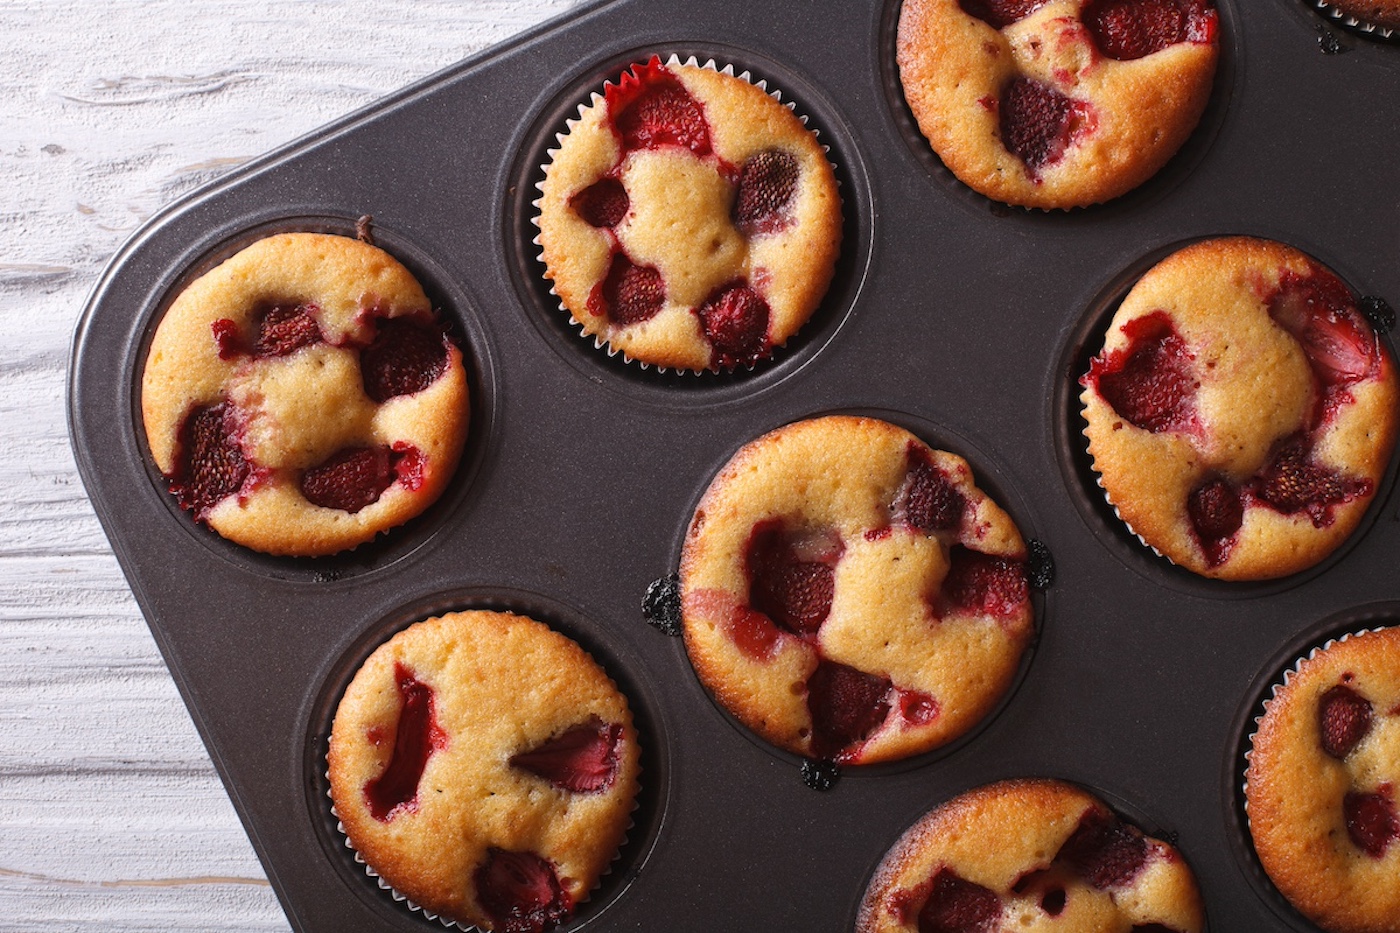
pixel 597 98
pixel 1351 22
pixel 448 922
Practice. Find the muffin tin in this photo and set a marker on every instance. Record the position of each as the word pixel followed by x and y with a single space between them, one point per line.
pixel 962 320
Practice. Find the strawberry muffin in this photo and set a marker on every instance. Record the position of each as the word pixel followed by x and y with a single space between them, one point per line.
pixel 1241 413
pixel 1038 856
pixel 689 219
pixel 1056 103
pixel 485 768
pixel 1321 785
pixel 1368 14
pixel 850 594
pixel 302 397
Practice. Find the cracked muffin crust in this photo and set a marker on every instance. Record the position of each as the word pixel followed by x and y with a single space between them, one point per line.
pixel 688 219
pixel 1056 103
pixel 850 594
pixel 485 767
pixel 302 396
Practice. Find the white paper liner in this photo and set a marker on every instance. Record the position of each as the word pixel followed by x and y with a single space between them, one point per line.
pixel 596 98
pixel 1351 22
pixel 457 924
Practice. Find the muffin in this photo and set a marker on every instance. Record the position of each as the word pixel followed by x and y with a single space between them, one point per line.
pixel 688 219
pixel 850 595
pixel 1030 855
pixel 485 768
pixel 1056 103
pixel 1241 413
pixel 1320 788
pixel 1382 15
pixel 302 397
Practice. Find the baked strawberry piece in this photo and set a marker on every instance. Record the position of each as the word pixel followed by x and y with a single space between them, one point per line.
pixel 495 732
pixel 833 571
pixel 1057 103
pixel 1241 413
pixel 302 397
pixel 688 219
pixel 1321 785
pixel 1033 855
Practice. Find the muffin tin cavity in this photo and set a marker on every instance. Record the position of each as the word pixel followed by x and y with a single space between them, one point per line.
pixel 1159 185
pixel 780 632
pixel 454 310
pixel 671 388
pixel 617 661
pixel 1085 342
pixel 1235 763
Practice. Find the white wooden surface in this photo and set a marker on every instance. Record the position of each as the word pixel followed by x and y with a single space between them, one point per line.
pixel 111 816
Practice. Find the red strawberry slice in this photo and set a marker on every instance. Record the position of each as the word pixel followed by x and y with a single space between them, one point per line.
pixel 984 583
pixel 520 892
pixel 1129 29
pixel 1216 512
pixel 602 204
pixel 753 632
pixel 792 588
pixel 284 329
pixel 956 905
pixel 1293 482
pixel 416 737
pixel 630 294
pixel 916 708
pixel 227 338
pixel 1149 383
pixel 405 357
pixel 1000 13
pixel 1343 719
pixel 1317 309
pixel 735 321
pixel 651 108
pixel 349 479
pixel 1105 851
pixel 1038 123
pixel 582 759
pixel 211 466
pixel 927 500
pixel 846 706
pixel 767 185
pixel 1371 821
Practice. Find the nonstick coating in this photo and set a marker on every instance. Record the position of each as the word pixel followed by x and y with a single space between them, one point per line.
pixel 964 321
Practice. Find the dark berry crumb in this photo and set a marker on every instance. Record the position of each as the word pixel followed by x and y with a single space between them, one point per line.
pixel 1040 565
pixel 661 606
pixel 1328 42
pixel 820 775
pixel 1378 311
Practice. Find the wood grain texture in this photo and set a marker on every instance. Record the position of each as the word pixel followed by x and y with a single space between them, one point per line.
pixel 111 815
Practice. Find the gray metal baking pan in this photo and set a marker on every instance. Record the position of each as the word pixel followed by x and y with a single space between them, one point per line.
pixel 963 320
